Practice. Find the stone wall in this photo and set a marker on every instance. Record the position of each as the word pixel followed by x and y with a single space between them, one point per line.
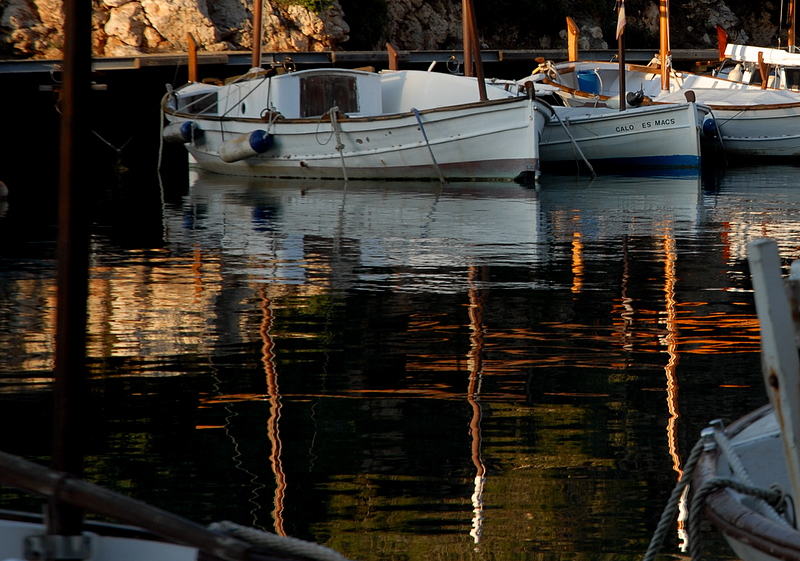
pixel 33 28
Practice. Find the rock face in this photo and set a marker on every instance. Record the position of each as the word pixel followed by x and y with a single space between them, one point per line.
pixel 34 28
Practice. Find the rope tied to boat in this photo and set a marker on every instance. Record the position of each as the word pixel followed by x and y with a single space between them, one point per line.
pixel 775 504
pixel 428 144
pixel 665 523
pixel 273 542
pixel 775 497
pixel 339 146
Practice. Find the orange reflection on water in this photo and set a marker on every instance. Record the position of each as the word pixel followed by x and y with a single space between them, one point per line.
pixel 577 262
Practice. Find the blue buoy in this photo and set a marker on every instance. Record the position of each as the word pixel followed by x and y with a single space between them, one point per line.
pixel 260 141
pixel 180 133
pixel 245 146
pixel 709 128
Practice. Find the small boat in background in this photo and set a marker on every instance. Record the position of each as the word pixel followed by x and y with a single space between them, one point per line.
pixel 651 137
pixel 623 134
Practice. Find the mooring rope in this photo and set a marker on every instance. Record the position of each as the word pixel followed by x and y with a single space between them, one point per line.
pixel 671 509
pixel 772 497
pixel 775 499
pixel 339 146
pixel 574 143
pixel 427 142
pixel 274 542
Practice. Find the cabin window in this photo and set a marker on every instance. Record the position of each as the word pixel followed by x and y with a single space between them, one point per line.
pixel 199 103
pixel 319 93
pixel 792 79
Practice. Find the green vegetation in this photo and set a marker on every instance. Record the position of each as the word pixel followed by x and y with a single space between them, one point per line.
pixel 313 6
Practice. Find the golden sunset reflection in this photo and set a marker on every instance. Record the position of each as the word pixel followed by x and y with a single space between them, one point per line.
pixel 411 371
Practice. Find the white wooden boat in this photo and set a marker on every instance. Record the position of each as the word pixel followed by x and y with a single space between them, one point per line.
pixel 340 123
pixel 652 137
pixel 751 122
pixel 745 478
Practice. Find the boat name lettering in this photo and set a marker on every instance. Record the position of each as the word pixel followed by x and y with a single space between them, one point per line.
pixel 647 125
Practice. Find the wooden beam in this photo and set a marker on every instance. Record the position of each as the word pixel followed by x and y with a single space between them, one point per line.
pixel 779 360
pixel 192 57
pixel 393 56
pixel 763 69
pixel 573 34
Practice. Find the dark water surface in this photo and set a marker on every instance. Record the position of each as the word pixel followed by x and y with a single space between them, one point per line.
pixel 403 371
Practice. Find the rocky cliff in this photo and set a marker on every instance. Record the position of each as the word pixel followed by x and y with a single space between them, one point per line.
pixel 34 28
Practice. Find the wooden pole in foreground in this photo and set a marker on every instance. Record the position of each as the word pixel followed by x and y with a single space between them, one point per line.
pixel 791 16
pixel 779 360
pixel 73 260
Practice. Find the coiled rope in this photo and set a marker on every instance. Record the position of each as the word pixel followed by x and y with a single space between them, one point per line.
pixel 776 507
pixel 276 543
pixel 774 498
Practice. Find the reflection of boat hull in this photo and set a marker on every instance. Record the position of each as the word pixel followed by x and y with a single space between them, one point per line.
pixel 647 137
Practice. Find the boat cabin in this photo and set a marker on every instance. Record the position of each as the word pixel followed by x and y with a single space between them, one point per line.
pixel 749 65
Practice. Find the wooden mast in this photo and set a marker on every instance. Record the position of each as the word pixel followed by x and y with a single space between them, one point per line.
pixel 471 46
pixel 466 25
pixel 257 9
pixel 621 22
pixel 664 50
pixel 791 17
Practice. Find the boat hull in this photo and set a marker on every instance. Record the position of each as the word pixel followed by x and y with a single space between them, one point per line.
pixel 652 137
pixel 751 535
pixel 752 123
pixel 401 125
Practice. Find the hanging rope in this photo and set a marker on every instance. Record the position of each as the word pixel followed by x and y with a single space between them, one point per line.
pixel 425 136
pixel 339 146
pixel 574 143
pixel 671 509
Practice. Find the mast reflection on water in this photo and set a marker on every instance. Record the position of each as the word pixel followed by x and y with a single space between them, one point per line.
pixel 563 308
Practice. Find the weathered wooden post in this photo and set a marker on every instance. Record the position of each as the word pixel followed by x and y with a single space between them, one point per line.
pixel 190 41
pixel 73 262
pixel 573 34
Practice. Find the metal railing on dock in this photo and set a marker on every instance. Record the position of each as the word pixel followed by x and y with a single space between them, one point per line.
pixel 680 57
